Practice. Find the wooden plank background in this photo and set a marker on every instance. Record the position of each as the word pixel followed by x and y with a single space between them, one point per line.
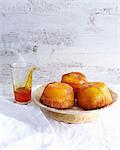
pixel 28 25
pixel 59 32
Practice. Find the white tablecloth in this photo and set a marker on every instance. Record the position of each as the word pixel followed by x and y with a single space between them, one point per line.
pixel 26 127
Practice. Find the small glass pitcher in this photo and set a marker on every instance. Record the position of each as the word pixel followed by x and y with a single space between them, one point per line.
pixel 22 82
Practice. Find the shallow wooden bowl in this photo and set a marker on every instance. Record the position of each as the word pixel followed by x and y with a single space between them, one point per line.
pixel 73 115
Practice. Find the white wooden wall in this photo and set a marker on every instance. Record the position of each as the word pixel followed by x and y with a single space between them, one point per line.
pixel 66 32
pixel 90 26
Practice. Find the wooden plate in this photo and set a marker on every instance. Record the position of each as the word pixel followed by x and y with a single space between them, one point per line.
pixel 74 115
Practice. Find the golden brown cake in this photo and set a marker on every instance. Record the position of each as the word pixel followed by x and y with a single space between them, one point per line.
pixel 58 95
pixel 74 79
pixel 93 95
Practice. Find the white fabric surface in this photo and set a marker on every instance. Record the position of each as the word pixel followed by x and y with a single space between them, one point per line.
pixel 26 127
